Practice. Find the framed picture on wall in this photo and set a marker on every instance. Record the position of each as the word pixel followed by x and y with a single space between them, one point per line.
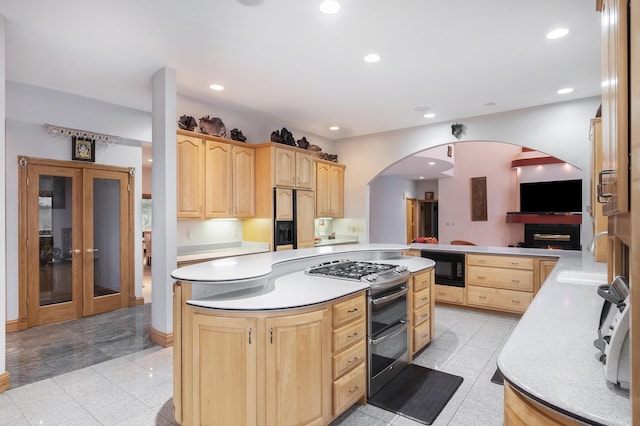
pixel 428 195
pixel 83 149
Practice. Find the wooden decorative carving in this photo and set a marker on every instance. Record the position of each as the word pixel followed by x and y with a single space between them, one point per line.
pixel 479 198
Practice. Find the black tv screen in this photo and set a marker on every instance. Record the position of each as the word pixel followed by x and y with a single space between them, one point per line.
pixel 561 196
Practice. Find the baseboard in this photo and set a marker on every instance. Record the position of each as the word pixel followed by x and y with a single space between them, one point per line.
pixel 5 381
pixel 160 338
pixel 137 301
pixel 12 325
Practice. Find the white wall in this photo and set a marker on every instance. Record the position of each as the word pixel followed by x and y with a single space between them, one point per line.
pixel 561 130
pixel 387 221
pixel 28 108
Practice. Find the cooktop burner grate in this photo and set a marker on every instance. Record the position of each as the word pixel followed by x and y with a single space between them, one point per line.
pixel 354 270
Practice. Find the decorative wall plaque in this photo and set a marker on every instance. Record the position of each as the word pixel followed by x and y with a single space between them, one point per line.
pixel 479 198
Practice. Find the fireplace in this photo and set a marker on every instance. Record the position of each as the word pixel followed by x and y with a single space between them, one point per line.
pixel 552 236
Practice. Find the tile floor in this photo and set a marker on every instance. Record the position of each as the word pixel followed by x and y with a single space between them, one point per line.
pixel 136 388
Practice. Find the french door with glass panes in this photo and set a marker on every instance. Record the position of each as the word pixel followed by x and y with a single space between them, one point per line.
pixel 77 260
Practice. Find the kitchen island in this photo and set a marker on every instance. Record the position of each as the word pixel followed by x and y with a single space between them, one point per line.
pixel 549 363
pixel 258 341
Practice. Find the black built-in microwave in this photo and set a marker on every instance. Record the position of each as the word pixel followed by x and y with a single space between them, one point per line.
pixel 449 267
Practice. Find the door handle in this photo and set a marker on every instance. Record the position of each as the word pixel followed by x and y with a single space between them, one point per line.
pixel 75 251
pixel 90 250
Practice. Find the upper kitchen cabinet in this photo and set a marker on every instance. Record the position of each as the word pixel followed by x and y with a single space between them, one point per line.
pixel 215 177
pixel 190 176
pixel 329 189
pixel 600 222
pixel 293 168
pixel 613 176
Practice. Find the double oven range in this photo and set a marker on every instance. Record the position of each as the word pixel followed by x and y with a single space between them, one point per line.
pixel 387 326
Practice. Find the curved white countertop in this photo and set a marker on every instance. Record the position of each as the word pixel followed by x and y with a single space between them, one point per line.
pixel 276 280
pixel 550 355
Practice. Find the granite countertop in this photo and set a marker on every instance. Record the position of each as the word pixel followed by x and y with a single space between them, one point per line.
pixel 550 355
pixel 276 280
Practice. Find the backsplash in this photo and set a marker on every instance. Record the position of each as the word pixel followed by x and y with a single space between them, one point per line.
pixel 203 232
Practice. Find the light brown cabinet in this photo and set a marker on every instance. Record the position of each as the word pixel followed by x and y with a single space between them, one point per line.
pixel 545 268
pixel 293 168
pixel 421 306
pixel 597 215
pixel 329 179
pixel 305 214
pixel 613 176
pixel 301 366
pixel 284 204
pixel 500 282
pixel 349 353
pixel 215 177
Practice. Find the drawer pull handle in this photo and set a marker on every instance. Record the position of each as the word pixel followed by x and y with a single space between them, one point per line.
pixel 515 263
pixel 482 297
pixel 515 281
pixel 482 277
pixel 352 335
pixel 441 293
pixel 350 311
pixel 424 315
pixel 517 302
pixel 425 298
pixel 354 390
pixel 424 335
pixel 354 359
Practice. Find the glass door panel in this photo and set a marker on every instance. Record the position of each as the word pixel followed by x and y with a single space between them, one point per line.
pixel 105 241
pixel 54 237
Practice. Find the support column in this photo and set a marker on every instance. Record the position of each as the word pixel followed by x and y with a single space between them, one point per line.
pixel 163 188
pixel 4 375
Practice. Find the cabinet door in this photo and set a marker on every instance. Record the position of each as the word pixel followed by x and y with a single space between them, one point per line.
pixel 243 166
pixel 304 170
pixel 336 192
pixel 285 167
pixel 298 369
pixel 224 378
pixel 190 176
pixel 305 214
pixel 323 187
pixel 614 176
pixel 217 182
pixel 284 204
pixel 546 266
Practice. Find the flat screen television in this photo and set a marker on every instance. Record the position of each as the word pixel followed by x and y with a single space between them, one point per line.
pixel 561 196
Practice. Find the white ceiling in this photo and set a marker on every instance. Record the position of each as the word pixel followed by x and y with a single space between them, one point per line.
pixel 285 59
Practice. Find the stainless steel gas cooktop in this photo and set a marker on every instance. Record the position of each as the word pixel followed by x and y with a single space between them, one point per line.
pixel 374 273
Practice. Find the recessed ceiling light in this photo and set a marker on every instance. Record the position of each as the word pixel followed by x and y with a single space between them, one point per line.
pixel 429 115
pixel 329 7
pixel 334 128
pixel 420 177
pixel 557 33
pixel 565 91
pixel 216 87
pixel 372 57
pixel 431 163
pixel 150 160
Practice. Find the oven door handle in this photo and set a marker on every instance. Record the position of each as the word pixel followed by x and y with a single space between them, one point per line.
pixel 402 323
pixel 384 299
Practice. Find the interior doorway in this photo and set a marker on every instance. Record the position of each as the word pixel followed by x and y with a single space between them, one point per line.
pixel 76 222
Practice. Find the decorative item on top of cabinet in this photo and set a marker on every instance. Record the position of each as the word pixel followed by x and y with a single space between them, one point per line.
pixel 215 177
pixel 329 178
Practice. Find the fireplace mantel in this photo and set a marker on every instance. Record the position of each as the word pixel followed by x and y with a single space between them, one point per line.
pixel 550 218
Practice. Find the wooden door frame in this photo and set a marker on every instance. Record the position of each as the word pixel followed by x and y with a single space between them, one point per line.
pixel 23 163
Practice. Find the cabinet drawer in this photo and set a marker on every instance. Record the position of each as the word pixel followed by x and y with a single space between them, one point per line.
pixel 421 335
pixel 348 334
pixel 515 262
pixel 508 300
pixel 450 294
pixel 421 281
pixel 349 310
pixel 421 298
pixel 348 359
pixel 349 388
pixel 421 315
pixel 510 279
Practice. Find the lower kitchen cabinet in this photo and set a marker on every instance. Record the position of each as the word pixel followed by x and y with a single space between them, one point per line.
pixel 449 294
pixel 287 367
pixel 421 306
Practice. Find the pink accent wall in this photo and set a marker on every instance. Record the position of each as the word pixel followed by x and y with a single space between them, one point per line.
pixel 478 159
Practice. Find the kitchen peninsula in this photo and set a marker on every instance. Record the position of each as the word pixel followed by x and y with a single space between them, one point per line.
pixel 257 340
pixel 549 363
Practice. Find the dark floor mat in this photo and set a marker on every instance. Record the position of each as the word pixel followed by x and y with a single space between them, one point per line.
pixel 418 393
pixel 497 378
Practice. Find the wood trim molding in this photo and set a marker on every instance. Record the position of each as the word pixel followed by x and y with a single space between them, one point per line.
pixel 12 325
pixel 5 381
pixel 515 217
pixel 137 301
pixel 160 338
pixel 535 161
